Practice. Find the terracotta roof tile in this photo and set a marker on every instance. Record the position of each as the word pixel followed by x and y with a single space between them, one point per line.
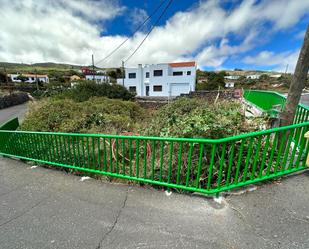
pixel 183 64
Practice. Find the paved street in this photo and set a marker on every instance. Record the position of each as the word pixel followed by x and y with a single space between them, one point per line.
pixel 46 208
pixel 12 112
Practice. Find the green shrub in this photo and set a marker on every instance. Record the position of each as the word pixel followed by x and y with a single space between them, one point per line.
pixel 84 90
pixel 101 115
pixel 196 118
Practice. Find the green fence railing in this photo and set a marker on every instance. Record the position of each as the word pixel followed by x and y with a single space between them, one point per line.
pixel 201 165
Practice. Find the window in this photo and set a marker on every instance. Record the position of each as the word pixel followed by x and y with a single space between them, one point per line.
pixel 188 72
pixel 157 72
pixel 177 73
pixel 132 89
pixel 157 88
pixel 132 75
pixel 147 74
pixel 32 78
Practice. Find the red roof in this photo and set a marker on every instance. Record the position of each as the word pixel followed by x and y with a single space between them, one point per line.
pixel 183 64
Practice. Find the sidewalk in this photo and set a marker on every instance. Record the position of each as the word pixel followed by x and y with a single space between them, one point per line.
pixel 45 208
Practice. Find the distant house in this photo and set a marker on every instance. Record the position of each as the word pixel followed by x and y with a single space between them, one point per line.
pixel 232 77
pixel 229 84
pixel 160 80
pixel 87 71
pixel 29 78
pixel 253 76
pixel 74 78
pixel 98 78
pixel 275 76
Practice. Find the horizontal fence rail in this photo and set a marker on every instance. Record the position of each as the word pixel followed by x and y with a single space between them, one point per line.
pixel 201 165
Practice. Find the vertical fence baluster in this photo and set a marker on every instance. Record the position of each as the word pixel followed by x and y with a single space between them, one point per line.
pixel 137 159
pixel 152 159
pixel 189 164
pixel 272 153
pixel 78 152
pixel 282 142
pixel 264 155
pixel 57 148
pixel 83 152
pixel 179 162
pixel 256 156
pixel 239 161
pixel 221 166
pixel 117 153
pixel 287 149
pixel 123 156
pixel 104 154
pixel 130 156
pixel 145 158
pixel 198 175
pixel 247 162
pixel 231 157
pixel 74 149
pixel 93 153
pixel 31 150
pixel 170 162
pixel 291 159
pixel 161 159
pixel 110 156
pixel 99 153
pixel 213 153
pixel 301 149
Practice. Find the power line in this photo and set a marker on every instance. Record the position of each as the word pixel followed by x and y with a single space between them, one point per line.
pixel 153 26
pixel 137 29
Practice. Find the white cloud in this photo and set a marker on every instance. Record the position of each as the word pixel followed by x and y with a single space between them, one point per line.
pixel 277 60
pixel 137 17
pixel 69 31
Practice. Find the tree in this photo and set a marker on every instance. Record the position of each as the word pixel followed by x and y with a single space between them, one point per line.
pixel 3 77
pixel 297 84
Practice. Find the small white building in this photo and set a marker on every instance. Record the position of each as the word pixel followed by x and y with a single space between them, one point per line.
pixel 160 80
pixel 232 77
pixel 98 78
pixel 229 84
pixel 253 76
pixel 29 78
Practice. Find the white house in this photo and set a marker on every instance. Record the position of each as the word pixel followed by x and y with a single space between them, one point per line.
pixel 232 77
pixel 160 80
pixel 30 78
pixel 253 76
pixel 98 78
pixel 229 84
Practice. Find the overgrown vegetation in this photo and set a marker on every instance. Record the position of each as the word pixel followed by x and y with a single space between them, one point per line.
pixel 184 117
pixel 96 115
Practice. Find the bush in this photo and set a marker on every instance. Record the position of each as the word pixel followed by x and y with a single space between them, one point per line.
pixel 84 90
pixel 194 118
pixel 95 115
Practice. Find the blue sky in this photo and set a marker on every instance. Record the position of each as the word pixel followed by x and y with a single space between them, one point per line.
pixel 250 34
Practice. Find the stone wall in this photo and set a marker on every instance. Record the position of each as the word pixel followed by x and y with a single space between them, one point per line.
pixel 13 99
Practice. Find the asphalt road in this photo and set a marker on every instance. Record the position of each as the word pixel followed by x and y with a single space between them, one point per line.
pixel 46 208
pixel 12 112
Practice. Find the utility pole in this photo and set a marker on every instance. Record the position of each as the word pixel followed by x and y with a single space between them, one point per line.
pixel 123 72
pixel 6 76
pixel 92 67
pixel 297 84
pixel 36 79
pixel 286 69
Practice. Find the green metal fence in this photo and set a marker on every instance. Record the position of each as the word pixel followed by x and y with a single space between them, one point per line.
pixel 202 165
